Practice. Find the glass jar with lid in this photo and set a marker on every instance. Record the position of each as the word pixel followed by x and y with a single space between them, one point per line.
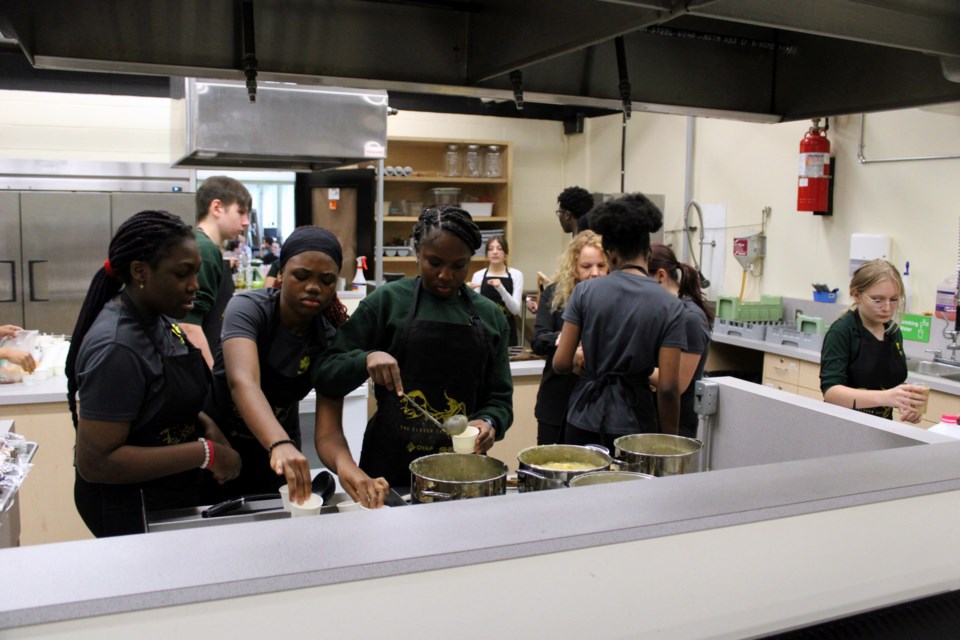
pixel 452 162
pixel 472 162
pixel 492 163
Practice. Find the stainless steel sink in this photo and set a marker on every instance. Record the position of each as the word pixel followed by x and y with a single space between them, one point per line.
pixel 930 368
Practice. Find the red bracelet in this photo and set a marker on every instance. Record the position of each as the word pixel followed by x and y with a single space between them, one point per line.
pixel 213 453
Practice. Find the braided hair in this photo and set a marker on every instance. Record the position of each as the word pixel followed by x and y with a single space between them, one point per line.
pixel 663 257
pixel 450 218
pixel 146 237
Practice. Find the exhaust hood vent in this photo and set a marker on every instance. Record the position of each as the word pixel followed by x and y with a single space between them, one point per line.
pixel 289 127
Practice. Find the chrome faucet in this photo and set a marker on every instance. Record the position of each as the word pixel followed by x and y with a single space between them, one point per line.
pixel 952 335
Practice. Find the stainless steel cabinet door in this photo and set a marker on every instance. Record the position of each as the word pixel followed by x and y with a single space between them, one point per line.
pixel 65 241
pixel 11 275
pixel 123 205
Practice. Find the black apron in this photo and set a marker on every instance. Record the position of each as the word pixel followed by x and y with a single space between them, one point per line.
pixel 880 365
pixel 213 320
pixel 284 393
pixel 491 293
pixel 443 366
pixel 614 403
pixel 117 509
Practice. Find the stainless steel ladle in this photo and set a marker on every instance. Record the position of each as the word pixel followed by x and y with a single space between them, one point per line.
pixel 452 426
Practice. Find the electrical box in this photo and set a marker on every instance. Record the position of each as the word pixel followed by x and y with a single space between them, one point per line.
pixel 865 247
pixel 748 249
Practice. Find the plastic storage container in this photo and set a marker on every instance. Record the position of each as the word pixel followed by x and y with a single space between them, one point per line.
pixel 472 162
pixel 769 309
pixel 444 195
pixel 452 162
pixel 492 163
pixel 947 427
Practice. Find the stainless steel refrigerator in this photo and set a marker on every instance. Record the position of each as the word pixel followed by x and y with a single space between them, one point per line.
pixel 51 244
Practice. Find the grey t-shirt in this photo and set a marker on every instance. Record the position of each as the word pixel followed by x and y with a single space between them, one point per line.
pixel 624 321
pixel 119 370
pixel 698 341
pixel 254 314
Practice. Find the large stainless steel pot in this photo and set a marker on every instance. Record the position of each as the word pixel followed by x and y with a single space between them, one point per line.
pixel 657 454
pixel 606 477
pixel 456 476
pixel 534 473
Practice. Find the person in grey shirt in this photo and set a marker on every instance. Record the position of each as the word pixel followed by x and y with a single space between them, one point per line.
pixel 628 325
pixel 683 281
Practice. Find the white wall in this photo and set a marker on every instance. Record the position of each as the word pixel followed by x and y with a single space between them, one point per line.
pixel 744 166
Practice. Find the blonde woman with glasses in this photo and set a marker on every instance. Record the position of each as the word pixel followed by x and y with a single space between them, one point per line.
pixel 862 364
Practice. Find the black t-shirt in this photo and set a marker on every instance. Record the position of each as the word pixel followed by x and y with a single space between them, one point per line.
pixel 120 370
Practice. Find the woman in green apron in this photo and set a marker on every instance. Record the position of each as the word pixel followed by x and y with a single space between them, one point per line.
pixel 432 337
pixel 262 369
pixel 862 364
pixel 142 441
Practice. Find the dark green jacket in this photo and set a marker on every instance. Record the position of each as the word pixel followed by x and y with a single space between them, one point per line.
pixel 211 273
pixel 376 325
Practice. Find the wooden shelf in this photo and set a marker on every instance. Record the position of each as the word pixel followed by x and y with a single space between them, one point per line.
pixel 409 259
pixel 387 219
pixel 460 180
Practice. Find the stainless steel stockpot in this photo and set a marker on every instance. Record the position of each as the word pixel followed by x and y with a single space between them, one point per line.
pixel 456 476
pixel 535 475
pixel 657 454
pixel 606 477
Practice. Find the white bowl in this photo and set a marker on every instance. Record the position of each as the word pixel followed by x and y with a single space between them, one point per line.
pixel 464 442
pixel 348 505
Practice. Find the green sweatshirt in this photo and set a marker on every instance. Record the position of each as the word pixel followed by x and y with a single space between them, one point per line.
pixel 376 324
pixel 841 346
pixel 211 273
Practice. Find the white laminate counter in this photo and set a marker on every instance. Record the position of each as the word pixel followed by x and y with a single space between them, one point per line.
pixel 934 382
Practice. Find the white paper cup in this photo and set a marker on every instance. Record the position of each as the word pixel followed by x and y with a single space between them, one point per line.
pixel 348 505
pixel 285 497
pixel 464 442
pixel 310 507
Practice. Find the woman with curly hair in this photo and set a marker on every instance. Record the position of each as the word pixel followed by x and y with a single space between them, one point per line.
pixel 628 326
pixel 583 260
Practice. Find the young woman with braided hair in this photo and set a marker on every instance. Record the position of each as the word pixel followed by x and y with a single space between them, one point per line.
pixel 135 384
pixel 262 368
pixel 432 337
pixel 683 281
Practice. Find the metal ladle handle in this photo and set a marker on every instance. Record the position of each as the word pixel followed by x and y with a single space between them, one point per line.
pixel 425 413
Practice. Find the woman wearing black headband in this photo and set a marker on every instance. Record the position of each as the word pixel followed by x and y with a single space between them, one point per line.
pixel 261 372
pixel 448 342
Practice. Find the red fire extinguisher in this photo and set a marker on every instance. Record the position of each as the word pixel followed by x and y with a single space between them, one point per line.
pixel 813 183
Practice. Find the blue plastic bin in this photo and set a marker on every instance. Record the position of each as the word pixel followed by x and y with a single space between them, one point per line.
pixel 825 296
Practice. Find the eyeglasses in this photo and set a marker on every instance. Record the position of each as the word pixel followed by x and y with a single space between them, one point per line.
pixel 880 303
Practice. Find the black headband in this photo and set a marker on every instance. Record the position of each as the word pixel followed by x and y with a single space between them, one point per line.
pixel 311 239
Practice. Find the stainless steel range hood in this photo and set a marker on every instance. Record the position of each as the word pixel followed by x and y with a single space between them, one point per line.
pixel 289 126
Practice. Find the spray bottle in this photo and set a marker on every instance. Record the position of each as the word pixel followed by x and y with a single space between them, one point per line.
pixel 359 281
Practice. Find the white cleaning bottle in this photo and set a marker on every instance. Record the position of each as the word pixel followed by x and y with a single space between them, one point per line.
pixel 947 427
pixel 359 281
pixel 907 293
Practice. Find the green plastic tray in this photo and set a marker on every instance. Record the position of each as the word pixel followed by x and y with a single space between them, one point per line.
pixel 769 309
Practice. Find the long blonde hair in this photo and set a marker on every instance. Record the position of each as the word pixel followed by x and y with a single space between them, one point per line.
pixel 873 272
pixel 566 278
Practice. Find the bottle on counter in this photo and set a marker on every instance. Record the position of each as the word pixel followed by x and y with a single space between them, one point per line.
pixel 947 427
pixel 907 292
pixel 359 280
pixel 946 301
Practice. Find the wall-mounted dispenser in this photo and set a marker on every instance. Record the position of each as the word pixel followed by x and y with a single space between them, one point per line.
pixel 868 246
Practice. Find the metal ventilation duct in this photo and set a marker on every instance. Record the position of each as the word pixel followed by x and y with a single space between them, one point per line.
pixel 289 127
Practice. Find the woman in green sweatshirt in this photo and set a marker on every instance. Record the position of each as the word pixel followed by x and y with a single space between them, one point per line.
pixel 431 337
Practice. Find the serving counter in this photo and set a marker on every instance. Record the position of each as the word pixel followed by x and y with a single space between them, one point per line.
pixel 779 536
pixel 41 415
